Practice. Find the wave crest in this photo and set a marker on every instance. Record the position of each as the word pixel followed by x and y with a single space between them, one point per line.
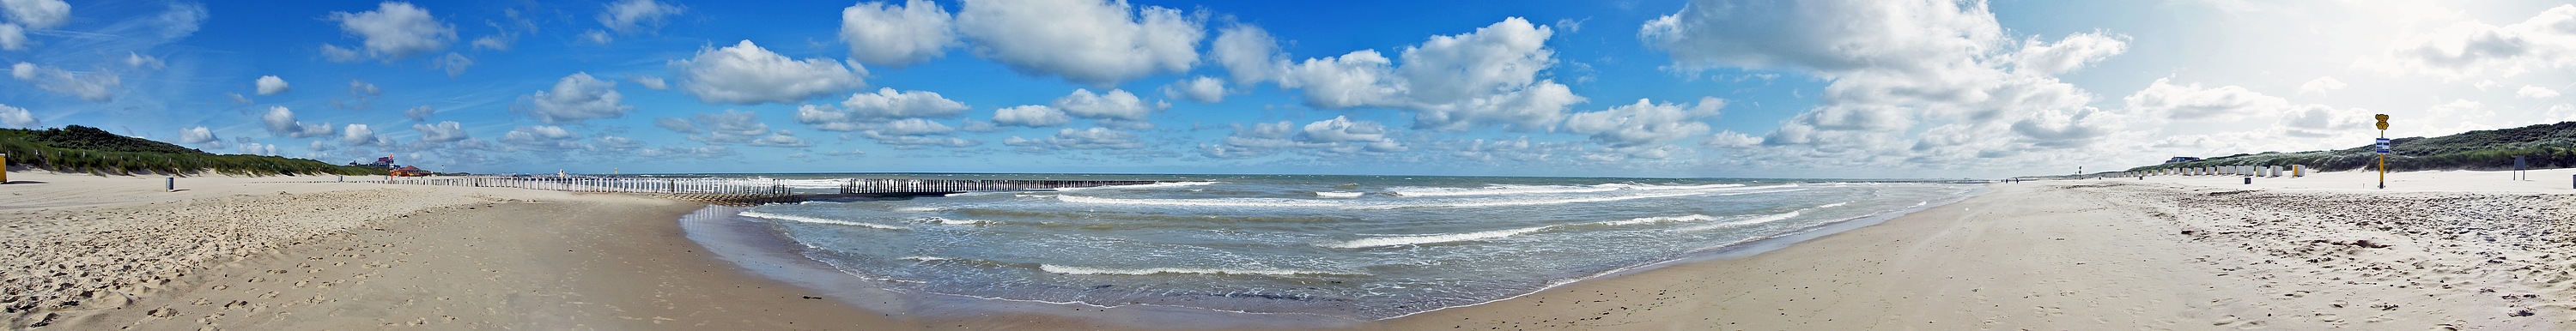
pixel 818 220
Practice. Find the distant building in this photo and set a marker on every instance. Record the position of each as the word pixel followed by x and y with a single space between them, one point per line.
pixel 2181 159
pixel 386 162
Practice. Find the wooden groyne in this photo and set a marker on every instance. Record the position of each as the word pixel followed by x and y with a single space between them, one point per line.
pixel 751 191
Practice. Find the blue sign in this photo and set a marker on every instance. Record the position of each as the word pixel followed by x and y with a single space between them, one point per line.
pixel 2382 145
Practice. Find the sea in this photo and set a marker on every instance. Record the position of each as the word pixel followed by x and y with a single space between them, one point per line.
pixel 1342 247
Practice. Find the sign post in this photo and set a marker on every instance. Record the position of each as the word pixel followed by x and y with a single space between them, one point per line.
pixel 2383 150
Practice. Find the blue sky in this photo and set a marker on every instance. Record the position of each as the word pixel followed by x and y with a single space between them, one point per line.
pixel 1921 89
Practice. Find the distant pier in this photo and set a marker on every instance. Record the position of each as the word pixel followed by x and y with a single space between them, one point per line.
pixel 752 191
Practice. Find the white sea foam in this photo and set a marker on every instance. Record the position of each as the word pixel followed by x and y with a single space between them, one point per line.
pixel 1501 190
pixel 951 221
pixel 1831 205
pixel 1531 202
pixel 1660 219
pixel 817 220
pixel 1434 238
pixel 1223 202
pixel 1745 222
pixel 1338 194
pixel 1689 187
pixel 926 258
pixel 919 209
pixel 1074 270
pixel 1140 186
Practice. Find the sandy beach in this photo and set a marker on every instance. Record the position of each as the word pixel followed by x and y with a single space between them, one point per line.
pixel 2440 250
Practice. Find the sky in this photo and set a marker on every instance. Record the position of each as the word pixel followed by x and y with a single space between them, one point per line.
pixel 1707 88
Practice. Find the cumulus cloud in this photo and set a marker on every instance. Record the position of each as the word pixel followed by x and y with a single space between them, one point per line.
pixel 281 121
pixel 573 99
pixel 867 110
pixel 1914 83
pixel 2319 121
pixel 543 137
pixel 19 117
pixel 197 136
pixel 631 16
pixel 897 36
pixel 1030 116
pixel 1645 123
pixel 1248 53
pixel 38 14
pixel 360 135
pixel 2321 85
pixel 1092 138
pixel 2535 92
pixel 782 139
pixel 258 149
pixel 2476 49
pixel 728 127
pixel 13 37
pixel 92 86
pixel 1337 136
pixel 419 113
pixel 1201 89
pixel 1114 108
pixel 394 30
pixel 2193 102
pixel 1090 41
pixel 1451 82
pixel 271 85
pixel 445 131
pixel 746 74
pixel 453 63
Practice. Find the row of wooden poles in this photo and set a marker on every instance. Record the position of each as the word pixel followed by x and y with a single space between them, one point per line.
pixel 742 186
pixel 772 187
pixel 864 186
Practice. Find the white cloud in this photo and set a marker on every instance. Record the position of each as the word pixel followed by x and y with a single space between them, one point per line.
pixel 498 43
pixel 597 37
pixel 703 152
pixel 2073 52
pixel 889 104
pixel 1090 41
pixel 649 82
pixel 359 135
pixel 1202 89
pixel 19 117
pixel 782 139
pixel 631 16
pixel 395 30
pixel 258 149
pixel 138 60
pixel 544 137
pixel 1030 116
pixel 271 85
pixel 746 74
pixel 237 98
pixel 2321 85
pixel 1337 136
pixel 337 54
pixel 1092 138
pixel 197 136
pixel 38 14
pixel 92 86
pixel 13 37
pixel 1731 140
pixel 728 127
pixel 2319 121
pixel 1915 84
pixel 281 121
pixel 2535 92
pixel 2192 102
pixel 1486 77
pixel 419 113
pixel 1645 123
pixel 573 99
pixel 1114 108
pixel 1248 53
pixel 897 36
pixel 444 131
pixel 454 64
pixel 2476 49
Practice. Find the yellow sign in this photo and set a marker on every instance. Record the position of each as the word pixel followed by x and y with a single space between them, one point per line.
pixel 2383 121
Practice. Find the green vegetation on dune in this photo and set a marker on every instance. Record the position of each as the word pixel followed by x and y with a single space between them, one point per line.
pixel 2541 146
pixel 85 149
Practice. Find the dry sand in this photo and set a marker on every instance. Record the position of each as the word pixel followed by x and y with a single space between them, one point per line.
pixel 2455 250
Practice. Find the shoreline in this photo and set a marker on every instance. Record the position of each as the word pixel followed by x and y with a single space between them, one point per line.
pixel 2160 253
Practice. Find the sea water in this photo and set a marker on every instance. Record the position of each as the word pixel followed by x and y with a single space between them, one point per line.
pixel 1351 247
